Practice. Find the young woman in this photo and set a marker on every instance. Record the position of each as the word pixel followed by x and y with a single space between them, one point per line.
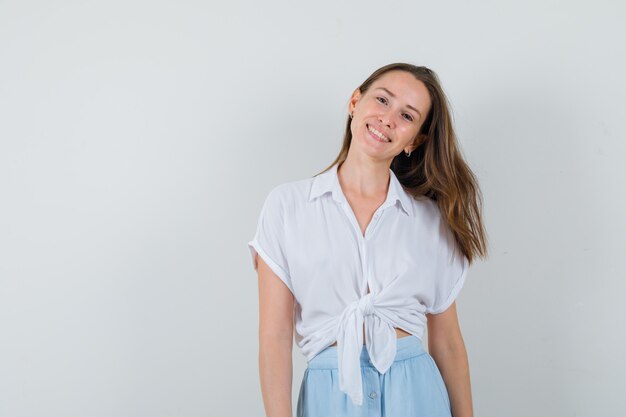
pixel 367 255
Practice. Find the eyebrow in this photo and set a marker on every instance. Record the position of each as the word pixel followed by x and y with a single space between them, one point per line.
pixel 393 95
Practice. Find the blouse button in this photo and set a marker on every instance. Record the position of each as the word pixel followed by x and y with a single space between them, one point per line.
pixel 373 394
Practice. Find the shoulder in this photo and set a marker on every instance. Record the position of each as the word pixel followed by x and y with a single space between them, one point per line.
pixel 426 210
pixel 443 239
pixel 290 194
pixel 433 225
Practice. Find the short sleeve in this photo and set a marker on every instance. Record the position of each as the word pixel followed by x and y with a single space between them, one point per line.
pixel 451 267
pixel 269 239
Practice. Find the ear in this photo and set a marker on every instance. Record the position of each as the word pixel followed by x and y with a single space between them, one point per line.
pixel 419 139
pixel 356 96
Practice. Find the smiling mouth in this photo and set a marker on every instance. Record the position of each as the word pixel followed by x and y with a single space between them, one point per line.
pixel 377 135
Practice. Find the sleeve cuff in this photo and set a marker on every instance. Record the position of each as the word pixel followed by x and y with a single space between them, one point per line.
pixel 255 249
pixel 455 291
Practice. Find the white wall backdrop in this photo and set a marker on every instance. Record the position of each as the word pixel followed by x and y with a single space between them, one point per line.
pixel 138 140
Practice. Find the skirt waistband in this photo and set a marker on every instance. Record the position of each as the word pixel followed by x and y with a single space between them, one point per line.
pixel 406 347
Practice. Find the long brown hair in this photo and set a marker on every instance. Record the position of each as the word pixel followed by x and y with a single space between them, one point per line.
pixel 436 169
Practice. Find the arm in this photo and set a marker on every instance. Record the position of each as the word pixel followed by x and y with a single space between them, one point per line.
pixel 276 306
pixel 446 346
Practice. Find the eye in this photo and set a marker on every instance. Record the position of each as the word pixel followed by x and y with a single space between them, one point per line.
pixel 381 100
pixel 409 117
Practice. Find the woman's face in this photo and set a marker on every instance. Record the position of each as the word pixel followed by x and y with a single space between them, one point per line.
pixel 395 107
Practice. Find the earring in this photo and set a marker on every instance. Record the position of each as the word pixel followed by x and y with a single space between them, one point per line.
pixel 408 153
pixel 351 115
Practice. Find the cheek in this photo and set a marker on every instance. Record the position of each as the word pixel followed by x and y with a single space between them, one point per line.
pixel 408 133
pixel 354 128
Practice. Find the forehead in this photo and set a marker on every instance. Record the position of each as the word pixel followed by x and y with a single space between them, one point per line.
pixel 405 87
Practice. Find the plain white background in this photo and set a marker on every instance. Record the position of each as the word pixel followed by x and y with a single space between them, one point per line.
pixel 138 140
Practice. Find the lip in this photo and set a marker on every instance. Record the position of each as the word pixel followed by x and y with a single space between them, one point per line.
pixel 374 136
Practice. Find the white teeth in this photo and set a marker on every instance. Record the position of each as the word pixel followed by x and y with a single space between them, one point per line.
pixel 377 133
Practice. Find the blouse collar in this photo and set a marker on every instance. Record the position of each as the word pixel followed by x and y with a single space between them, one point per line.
pixel 329 182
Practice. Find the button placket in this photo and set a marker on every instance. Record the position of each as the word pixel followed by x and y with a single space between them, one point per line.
pixel 363 239
pixel 372 389
pixel 372 225
pixel 368 232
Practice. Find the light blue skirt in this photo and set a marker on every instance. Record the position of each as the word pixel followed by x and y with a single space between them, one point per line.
pixel 412 387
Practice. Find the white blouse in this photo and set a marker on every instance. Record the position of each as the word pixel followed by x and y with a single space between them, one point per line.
pixel 309 236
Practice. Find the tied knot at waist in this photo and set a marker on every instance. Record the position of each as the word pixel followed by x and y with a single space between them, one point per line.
pixel 380 342
pixel 365 305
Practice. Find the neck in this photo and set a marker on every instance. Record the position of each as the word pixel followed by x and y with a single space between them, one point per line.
pixel 364 178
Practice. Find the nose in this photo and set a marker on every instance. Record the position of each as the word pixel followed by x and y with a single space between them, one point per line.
pixel 386 119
